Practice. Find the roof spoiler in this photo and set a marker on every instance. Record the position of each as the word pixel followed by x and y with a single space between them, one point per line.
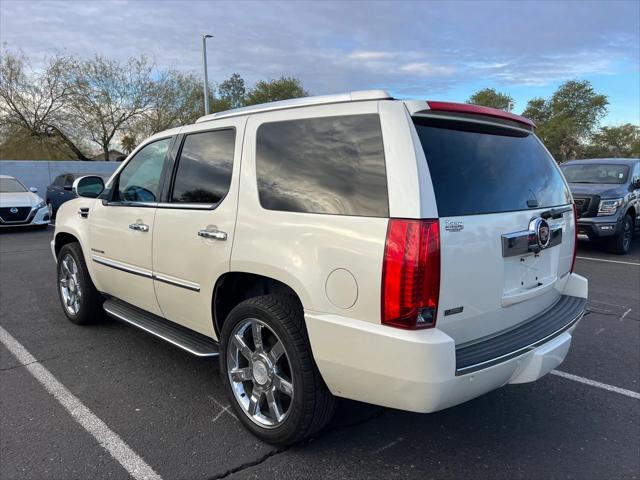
pixel 478 110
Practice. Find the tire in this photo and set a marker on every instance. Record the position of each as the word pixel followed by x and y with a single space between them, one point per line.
pixel 309 407
pixel 52 211
pixel 621 243
pixel 88 307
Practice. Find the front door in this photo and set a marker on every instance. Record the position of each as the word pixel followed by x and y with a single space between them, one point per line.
pixel 122 228
pixel 194 226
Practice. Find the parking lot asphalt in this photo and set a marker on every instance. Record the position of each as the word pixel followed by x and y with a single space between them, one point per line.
pixel 170 407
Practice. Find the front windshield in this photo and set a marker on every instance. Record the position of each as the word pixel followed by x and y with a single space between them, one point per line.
pixel 595 173
pixel 11 185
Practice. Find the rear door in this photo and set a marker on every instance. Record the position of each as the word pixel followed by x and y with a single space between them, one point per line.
pixel 493 184
pixel 195 223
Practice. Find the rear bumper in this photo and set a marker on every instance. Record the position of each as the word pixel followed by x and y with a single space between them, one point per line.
pixel 418 370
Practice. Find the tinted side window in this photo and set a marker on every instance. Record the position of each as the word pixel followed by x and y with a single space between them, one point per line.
pixel 479 169
pixel 332 165
pixel 139 181
pixel 59 181
pixel 68 181
pixel 204 168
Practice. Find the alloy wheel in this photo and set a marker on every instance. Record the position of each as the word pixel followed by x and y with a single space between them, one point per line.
pixel 70 284
pixel 259 371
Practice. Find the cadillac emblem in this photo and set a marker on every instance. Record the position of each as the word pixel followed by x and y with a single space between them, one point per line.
pixel 542 231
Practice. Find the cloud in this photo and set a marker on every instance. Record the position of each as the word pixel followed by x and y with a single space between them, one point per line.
pixel 409 47
pixel 427 70
pixel 370 55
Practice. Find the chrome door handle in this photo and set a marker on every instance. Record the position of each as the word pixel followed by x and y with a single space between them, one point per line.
pixel 141 227
pixel 213 234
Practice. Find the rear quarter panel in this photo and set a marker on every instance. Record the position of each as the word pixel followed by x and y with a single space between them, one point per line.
pixel 302 249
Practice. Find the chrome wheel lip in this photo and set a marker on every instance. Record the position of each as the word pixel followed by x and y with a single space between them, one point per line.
pixel 261 384
pixel 69 284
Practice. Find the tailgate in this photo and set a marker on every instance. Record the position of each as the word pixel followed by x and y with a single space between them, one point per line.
pixel 482 291
pixel 498 192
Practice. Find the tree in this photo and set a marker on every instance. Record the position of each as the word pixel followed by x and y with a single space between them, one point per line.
pixel 34 105
pixel 622 142
pixel 489 97
pixel 233 91
pixel 17 143
pixel 128 143
pixel 281 88
pixel 175 100
pixel 568 119
pixel 107 95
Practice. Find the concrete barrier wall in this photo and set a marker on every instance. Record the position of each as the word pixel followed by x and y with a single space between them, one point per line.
pixel 39 174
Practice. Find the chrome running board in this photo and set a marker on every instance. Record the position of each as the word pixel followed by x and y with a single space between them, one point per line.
pixel 182 337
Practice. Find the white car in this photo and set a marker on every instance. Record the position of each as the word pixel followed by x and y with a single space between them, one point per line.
pixel 409 254
pixel 20 206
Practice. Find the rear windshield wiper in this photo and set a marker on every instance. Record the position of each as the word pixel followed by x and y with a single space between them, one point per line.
pixel 555 212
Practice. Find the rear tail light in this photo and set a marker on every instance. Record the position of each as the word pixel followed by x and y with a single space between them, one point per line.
pixel 411 274
pixel 575 239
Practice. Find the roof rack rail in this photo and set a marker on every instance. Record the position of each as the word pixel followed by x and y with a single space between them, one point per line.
pixel 300 102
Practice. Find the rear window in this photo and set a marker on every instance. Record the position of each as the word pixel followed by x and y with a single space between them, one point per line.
pixel 600 173
pixel 479 169
pixel 332 165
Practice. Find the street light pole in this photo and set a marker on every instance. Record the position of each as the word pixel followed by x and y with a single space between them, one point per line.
pixel 206 78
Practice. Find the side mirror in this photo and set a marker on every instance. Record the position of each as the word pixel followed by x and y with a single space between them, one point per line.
pixel 33 189
pixel 90 186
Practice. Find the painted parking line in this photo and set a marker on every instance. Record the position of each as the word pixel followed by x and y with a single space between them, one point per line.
pixel 608 261
pixel 593 383
pixel 106 437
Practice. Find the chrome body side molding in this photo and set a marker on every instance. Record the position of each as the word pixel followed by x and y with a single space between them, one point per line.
pixel 143 272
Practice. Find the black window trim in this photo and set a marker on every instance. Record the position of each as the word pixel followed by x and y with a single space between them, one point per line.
pixel 384 158
pixel 109 201
pixel 173 170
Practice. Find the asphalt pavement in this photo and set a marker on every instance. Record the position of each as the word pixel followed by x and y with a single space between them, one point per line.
pixel 170 408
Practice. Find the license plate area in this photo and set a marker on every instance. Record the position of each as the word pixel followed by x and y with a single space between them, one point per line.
pixel 526 273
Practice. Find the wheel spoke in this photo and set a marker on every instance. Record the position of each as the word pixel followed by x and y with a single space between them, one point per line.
pixel 256 332
pixel 276 351
pixel 240 374
pixel 65 266
pixel 242 346
pixel 274 407
pixel 283 385
pixel 254 401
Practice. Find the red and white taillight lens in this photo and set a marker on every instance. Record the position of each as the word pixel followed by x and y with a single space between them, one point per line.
pixel 575 237
pixel 411 274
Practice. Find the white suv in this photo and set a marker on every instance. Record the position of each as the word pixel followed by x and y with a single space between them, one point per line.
pixel 409 254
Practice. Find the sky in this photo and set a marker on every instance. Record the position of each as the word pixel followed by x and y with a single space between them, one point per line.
pixel 441 50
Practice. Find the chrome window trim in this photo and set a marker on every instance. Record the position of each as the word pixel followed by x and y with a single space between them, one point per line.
pixel 521 351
